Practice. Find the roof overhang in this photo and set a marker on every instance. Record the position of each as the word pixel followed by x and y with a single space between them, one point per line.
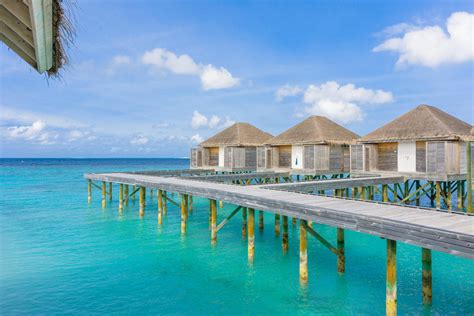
pixel 26 26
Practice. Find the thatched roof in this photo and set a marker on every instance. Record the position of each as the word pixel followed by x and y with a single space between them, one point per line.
pixel 424 122
pixel 239 134
pixel 38 31
pixel 315 130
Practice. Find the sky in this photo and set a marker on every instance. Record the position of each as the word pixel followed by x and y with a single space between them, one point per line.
pixel 154 78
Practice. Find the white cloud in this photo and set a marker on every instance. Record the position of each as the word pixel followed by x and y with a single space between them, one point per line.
pixel 287 91
pixel 198 120
pixel 139 140
pixel 28 117
pixel 121 60
pixel 432 46
pixel 197 139
pixel 212 78
pixel 35 132
pixel 398 29
pixel 341 103
pixel 214 121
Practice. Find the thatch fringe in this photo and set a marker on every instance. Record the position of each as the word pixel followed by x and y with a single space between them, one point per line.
pixel 63 34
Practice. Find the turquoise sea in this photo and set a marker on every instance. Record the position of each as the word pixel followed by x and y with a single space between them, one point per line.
pixel 60 255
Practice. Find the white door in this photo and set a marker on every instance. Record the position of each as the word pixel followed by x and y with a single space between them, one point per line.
pixel 407 157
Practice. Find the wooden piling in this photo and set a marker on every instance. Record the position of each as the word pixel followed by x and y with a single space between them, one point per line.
pixel 284 239
pixel 251 234
pixel 260 221
pixel 89 191
pixel 426 277
pixel 303 253
pixel 221 204
pixel 120 197
pixel 341 259
pixel 165 203
pixel 142 201
pixel 438 194
pixel 160 206
pixel 125 202
pixel 104 195
pixel 213 210
pixel 293 220
pixel 183 214
pixel 110 191
pixel 277 225
pixel 385 193
pixel 391 283
pixel 244 222
pixel 134 195
pixel 469 177
pixel 190 200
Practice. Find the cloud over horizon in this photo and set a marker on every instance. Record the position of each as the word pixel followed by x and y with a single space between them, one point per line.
pixel 432 46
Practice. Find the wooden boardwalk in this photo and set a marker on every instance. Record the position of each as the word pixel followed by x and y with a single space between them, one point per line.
pixel 441 231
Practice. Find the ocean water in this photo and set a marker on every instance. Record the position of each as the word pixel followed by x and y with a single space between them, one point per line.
pixel 60 255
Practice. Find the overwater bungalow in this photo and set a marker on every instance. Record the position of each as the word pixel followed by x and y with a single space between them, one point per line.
pixel 233 149
pixel 316 144
pixel 424 141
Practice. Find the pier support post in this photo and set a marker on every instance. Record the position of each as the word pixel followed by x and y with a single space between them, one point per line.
pixel 110 191
pixel 277 225
pixel 260 221
pixel 384 193
pixel 221 204
pixel 165 204
pixel 160 206
pixel 134 195
pixel 391 283
pixel 293 220
pixel 438 195
pixel 120 197
pixel 183 214
pixel 190 200
pixel 104 195
pixel 125 202
pixel 244 222
pixel 142 201
pixel 251 234
pixel 303 253
pixel 426 278
pixel 284 239
pixel 213 210
pixel 469 177
pixel 341 259
pixel 89 191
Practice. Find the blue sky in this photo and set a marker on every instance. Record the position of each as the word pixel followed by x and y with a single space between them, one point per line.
pixel 151 78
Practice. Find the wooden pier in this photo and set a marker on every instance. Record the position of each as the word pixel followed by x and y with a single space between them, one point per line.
pixel 429 229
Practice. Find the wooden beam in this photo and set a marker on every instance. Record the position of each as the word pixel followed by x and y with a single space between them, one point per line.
pixel 120 197
pixel 391 284
pixel 20 43
pixel 341 259
pixel 227 219
pixel 16 25
pixel 41 13
pixel 165 203
pixel 141 211
pixel 160 206
pixel 322 240
pixel 244 222
pixel 426 276
pixel 104 194
pixel 284 239
pixel 183 214
pixel 277 225
pixel 18 50
pixel 260 221
pixel 19 9
pixel 110 191
pixel 125 193
pixel 469 177
pixel 251 235
pixel 303 253
pixel 213 210
pixel 89 191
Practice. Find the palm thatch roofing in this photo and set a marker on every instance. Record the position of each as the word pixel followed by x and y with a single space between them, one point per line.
pixel 315 130
pixel 239 134
pixel 424 122
pixel 38 31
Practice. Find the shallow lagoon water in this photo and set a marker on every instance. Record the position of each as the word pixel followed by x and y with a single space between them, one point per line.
pixel 60 255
